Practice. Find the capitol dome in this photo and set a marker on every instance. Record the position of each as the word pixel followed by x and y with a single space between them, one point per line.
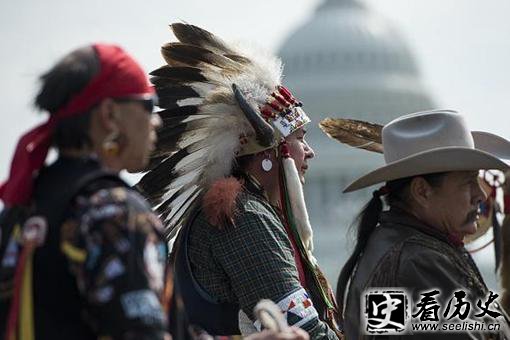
pixel 350 51
pixel 347 61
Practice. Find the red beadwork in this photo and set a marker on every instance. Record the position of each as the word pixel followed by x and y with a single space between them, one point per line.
pixel 266 112
pixel 288 95
pixel 284 92
pixel 281 99
pixel 284 150
pixel 276 106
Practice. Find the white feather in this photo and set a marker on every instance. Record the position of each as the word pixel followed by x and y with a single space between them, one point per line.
pixel 213 136
pixel 298 205
pixel 190 101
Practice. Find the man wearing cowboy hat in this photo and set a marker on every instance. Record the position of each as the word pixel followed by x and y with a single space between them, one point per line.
pixel 432 191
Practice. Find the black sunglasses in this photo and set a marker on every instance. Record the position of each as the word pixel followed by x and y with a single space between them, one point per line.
pixel 148 103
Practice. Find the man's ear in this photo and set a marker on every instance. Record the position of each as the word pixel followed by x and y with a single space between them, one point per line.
pixel 107 117
pixel 420 191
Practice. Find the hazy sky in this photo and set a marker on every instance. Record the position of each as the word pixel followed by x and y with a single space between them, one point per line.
pixel 462 46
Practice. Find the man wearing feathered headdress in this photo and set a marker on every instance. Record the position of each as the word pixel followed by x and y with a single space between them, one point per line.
pixel 226 177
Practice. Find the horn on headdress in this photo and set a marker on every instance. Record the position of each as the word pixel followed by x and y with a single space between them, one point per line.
pixel 207 122
pixel 263 131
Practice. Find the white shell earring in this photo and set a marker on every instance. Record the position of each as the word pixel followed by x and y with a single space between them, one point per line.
pixel 267 165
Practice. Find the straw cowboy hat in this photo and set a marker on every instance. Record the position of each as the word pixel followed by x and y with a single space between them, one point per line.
pixel 430 142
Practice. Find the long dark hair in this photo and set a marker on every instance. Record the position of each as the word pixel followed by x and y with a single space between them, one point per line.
pixel 394 191
pixel 67 78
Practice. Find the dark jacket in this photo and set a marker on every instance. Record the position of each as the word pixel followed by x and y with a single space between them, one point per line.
pixel 404 252
pixel 101 268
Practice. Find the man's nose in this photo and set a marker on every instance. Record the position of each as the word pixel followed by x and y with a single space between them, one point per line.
pixel 309 151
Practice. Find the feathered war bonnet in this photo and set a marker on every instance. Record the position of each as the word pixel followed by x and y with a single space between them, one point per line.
pixel 218 102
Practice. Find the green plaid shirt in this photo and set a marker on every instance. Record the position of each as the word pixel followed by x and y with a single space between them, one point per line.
pixel 249 260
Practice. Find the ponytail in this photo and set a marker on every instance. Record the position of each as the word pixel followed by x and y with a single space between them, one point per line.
pixel 395 192
pixel 367 221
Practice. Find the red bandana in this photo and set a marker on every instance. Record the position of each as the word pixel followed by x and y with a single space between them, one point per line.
pixel 119 76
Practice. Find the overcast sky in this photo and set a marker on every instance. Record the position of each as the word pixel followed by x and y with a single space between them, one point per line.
pixel 462 46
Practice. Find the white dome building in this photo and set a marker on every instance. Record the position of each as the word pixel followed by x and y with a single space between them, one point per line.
pixel 346 61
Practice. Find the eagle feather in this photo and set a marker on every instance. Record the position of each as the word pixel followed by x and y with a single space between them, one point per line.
pixel 201 122
pixel 356 133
